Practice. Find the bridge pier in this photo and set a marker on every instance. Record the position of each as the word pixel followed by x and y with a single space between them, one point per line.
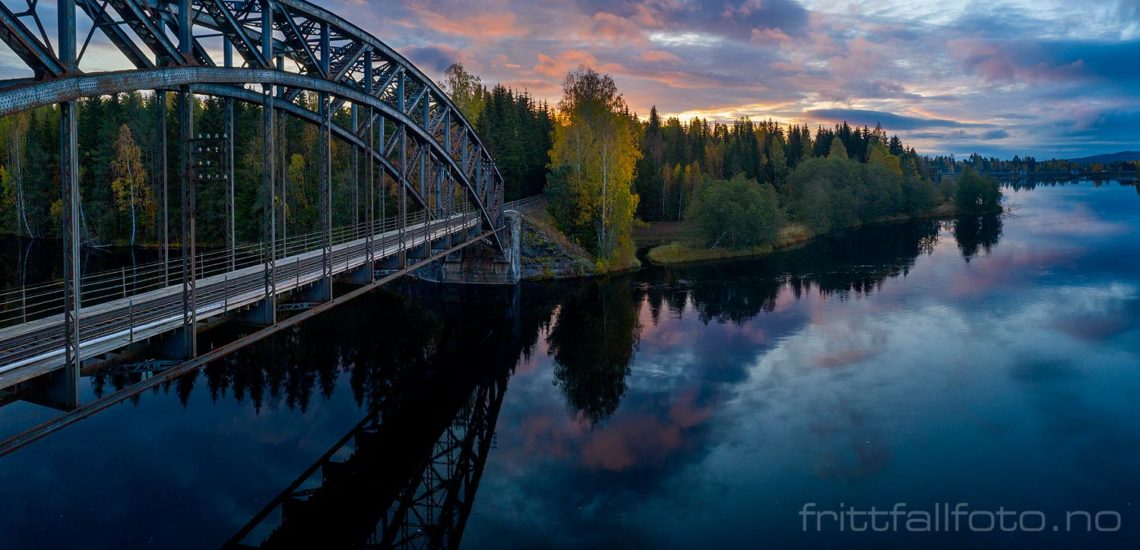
pixel 364 274
pixel 481 264
pixel 264 313
pixel 180 344
pixel 321 291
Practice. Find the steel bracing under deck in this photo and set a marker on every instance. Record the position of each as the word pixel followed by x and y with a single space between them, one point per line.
pixel 290 58
pixel 35 348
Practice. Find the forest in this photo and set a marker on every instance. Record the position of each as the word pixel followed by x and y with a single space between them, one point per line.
pixel 602 166
pixel 121 166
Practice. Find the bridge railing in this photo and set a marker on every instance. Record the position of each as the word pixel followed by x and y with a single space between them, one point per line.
pixel 524 202
pixel 30 303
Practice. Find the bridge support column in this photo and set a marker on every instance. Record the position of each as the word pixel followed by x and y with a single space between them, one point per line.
pixel 266 312
pixel 187 333
pixel 228 159
pixel 362 275
pixel 513 253
pixel 263 314
pixel 164 178
pixel 323 289
pixel 69 184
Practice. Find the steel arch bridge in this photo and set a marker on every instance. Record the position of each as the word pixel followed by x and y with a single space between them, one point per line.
pixel 403 126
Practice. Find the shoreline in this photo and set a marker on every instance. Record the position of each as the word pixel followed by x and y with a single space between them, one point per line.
pixel 679 253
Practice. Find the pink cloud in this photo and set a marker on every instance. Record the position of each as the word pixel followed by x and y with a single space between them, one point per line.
pixel 469 23
pixel 630 440
pixel 768 35
pixel 557 66
pixel 658 56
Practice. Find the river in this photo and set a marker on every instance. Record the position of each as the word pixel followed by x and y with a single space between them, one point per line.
pixel 989 367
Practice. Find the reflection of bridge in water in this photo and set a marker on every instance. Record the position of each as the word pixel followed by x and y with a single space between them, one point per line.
pixel 407 482
pixel 293 59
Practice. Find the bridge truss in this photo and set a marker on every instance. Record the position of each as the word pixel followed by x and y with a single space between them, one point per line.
pixel 288 52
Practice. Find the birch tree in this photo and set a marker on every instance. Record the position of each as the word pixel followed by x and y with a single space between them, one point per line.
pixel 13 176
pixel 129 185
pixel 596 146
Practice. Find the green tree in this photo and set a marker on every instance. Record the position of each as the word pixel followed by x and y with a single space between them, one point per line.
pixel 838 150
pixel 466 91
pixel 880 155
pixel 977 194
pixel 778 160
pixel 738 213
pixel 130 183
pixel 595 140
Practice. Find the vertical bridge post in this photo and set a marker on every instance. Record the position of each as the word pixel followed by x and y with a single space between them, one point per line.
pixel 189 193
pixel 69 187
pixel 324 290
pixel 266 312
pixel 228 158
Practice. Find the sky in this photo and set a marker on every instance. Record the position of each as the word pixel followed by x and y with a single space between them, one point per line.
pixel 1050 78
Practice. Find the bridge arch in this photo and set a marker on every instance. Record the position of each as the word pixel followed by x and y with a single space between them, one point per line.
pixel 329 54
pixel 286 50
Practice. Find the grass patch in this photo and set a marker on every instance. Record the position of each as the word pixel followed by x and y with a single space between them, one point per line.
pixel 655 233
pixel 676 253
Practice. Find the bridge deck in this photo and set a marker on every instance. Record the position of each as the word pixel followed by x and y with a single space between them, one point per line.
pixel 34 348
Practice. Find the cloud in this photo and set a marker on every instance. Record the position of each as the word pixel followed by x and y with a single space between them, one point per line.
pixel 892 121
pixel 1054 75
pixel 484 23
pixel 766 34
pixel 1111 63
pixel 659 56
pixel 436 58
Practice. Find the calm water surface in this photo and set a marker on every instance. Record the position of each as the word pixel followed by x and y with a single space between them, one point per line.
pixel 992 362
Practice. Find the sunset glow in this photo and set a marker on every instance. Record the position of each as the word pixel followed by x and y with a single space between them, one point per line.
pixel 1048 78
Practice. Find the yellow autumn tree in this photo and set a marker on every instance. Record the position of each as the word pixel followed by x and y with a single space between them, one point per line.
pixel 882 156
pixel 592 163
pixel 129 185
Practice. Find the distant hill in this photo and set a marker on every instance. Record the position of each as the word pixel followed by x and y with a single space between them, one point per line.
pixel 1122 156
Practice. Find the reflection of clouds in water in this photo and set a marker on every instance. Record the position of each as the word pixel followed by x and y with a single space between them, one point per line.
pixel 949 378
pixel 923 358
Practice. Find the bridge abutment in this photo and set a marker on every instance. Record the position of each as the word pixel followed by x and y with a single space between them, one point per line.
pixel 484 264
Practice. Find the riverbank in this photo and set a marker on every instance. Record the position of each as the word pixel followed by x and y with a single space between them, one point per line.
pixel 679 251
pixel 547 253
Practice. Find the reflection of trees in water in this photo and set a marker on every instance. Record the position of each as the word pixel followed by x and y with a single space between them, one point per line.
pixel 855 262
pixel 593 340
pixel 859 261
pixel 737 303
pixel 977 232
pixel 372 349
pixel 383 343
